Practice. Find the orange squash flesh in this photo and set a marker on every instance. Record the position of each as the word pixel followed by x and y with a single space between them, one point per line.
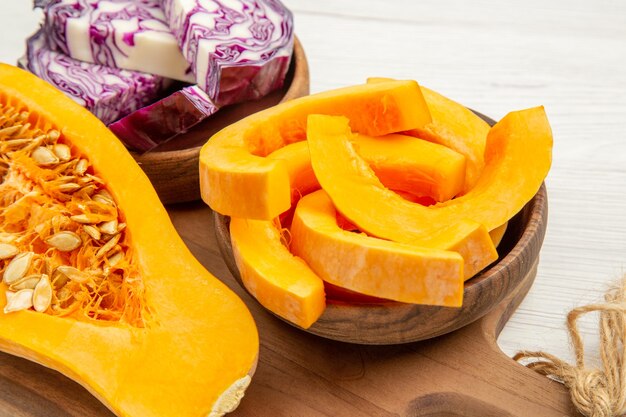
pixel 280 281
pixel 498 233
pixel 296 158
pixel 419 167
pixel 359 196
pixel 517 159
pixel 199 338
pixel 407 164
pixel 373 266
pixel 237 180
pixel 456 127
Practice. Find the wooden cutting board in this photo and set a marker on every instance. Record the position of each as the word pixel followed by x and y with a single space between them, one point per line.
pixel 460 374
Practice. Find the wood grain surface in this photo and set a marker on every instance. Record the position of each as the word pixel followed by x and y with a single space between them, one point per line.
pixel 463 373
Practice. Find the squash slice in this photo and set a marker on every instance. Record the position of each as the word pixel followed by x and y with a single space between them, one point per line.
pixel 280 281
pixel 401 162
pixel 360 196
pixel 237 179
pixel 498 233
pixel 456 127
pixel 412 165
pixel 373 266
pixel 174 341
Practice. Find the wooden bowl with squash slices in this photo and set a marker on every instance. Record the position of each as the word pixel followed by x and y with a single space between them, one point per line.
pixel 388 322
pixel 365 320
pixel 173 166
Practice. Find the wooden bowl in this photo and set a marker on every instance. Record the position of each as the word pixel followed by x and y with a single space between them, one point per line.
pixel 173 166
pixel 391 322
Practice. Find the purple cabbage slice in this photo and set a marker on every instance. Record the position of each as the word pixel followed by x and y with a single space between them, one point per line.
pixel 129 34
pixel 159 122
pixel 238 49
pixel 109 93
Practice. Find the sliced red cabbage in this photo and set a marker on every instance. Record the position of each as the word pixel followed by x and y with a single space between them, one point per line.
pixel 238 49
pixel 109 93
pixel 157 123
pixel 129 34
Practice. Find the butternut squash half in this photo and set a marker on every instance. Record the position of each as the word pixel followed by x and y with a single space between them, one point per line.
pixel 373 266
pixel 118 302
pixel 360 196
pixel 236 178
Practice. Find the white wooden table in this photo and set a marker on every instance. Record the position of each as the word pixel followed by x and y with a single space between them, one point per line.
pixel 494 56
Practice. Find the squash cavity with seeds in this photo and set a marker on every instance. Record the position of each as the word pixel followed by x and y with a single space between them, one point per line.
pixel 96 283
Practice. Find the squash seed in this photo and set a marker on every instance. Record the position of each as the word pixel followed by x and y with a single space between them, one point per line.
pixel 8 251
pixel 42 294
pixel 81 167
pixel 64 241
pixel 62 151
pixel 8 131
pixel 18 267
pixel 21 300
pixel 59 279
pixel 53 134
pixel 87 218
pixel 108 246
pixel 92 231
pixel 16 142
pixel 68 187
pixel 7 237
pixel 25 283
pixel 115 258
pixel 44 156
pixel 110 227
pixel 73 274
pixel 89 189
pixel 104 197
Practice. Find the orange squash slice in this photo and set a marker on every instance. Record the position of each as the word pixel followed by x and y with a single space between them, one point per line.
pixel 414 166
pixel 280 281
pixel 498 233
pixel 121 306
pixel 360 196
pixel 283 283
pixel 456 127
pixel 401 162
pixel 237 179
pixel 373 266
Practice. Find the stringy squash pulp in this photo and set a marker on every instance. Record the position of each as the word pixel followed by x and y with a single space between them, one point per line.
pixel 64 249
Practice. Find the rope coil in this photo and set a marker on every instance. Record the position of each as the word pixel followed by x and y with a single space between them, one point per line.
pixel 595 392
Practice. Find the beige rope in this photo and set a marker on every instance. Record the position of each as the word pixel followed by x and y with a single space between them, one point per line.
pixel 595 392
